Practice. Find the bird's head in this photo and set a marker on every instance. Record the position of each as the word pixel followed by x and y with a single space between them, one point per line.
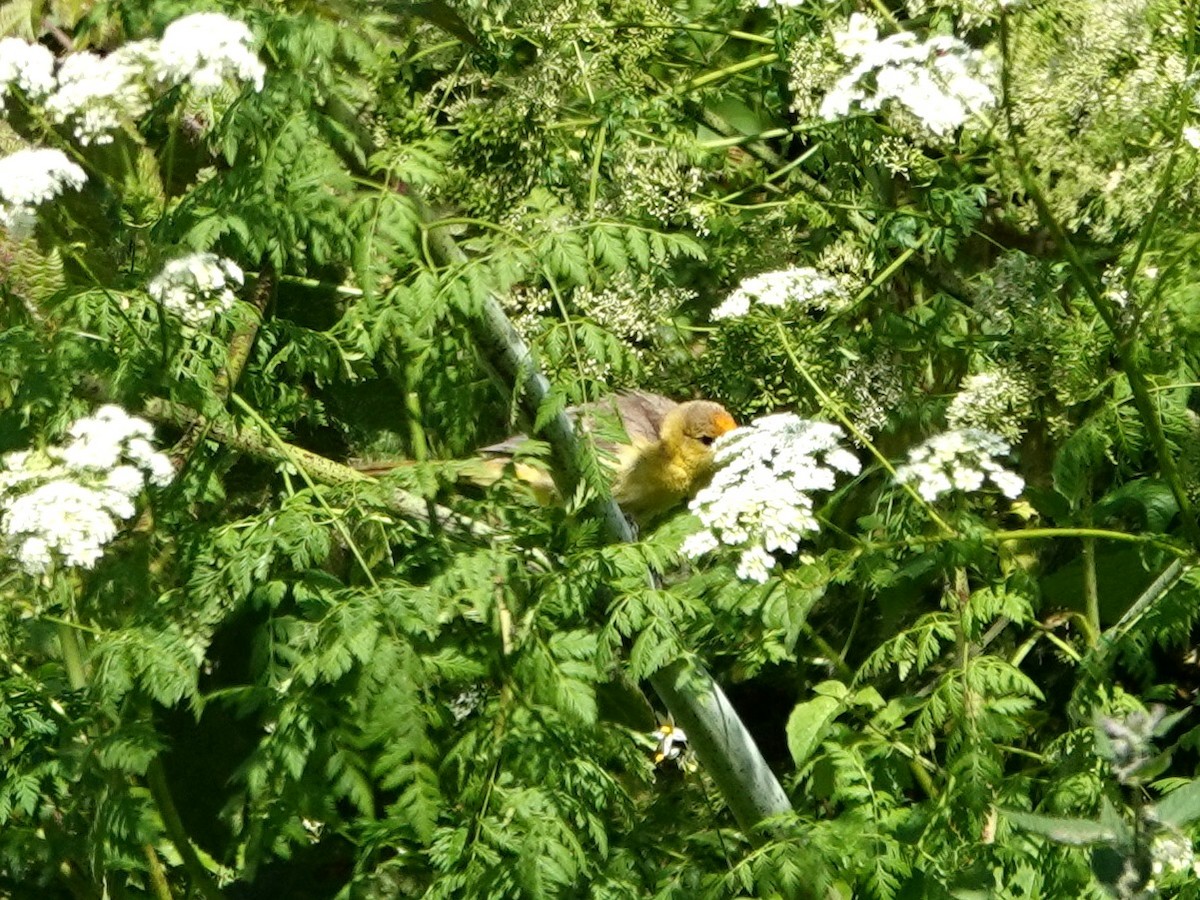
pixel 689 430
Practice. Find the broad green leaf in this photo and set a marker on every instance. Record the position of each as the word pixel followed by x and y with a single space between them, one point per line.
pixel 809 721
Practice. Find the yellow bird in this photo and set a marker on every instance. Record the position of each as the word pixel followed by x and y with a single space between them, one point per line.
pixel 656 476
pixel 667 459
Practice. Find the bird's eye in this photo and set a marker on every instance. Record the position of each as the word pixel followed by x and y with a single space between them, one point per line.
pixel 707 440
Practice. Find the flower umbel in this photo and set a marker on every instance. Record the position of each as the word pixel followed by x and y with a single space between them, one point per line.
pixel 27 66
pixel 61 506
pixel 98 93
pixel 761 498
pixel 801 285
pixel 197 287
pixel 940 82
pixel 1171 852
pixel 207 51
pixel 29 178
pixel 996 401
pixel 959 460
pixel 105 440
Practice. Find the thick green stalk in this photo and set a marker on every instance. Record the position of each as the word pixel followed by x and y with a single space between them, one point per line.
pixel 68 643
pixel 716 733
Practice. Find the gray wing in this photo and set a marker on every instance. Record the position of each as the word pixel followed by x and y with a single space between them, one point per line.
pixel 642 413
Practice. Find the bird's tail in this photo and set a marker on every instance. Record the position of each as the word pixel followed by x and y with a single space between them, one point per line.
pixel 482 472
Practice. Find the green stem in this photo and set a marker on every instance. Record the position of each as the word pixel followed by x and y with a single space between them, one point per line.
pixel 158 874
pixel 923 779
pixel 243 341
pixel 156 779
pixel 721 741
pixel 754 62
pixel 1158 588
pixel 1091 590
pixel 999 537
pixel 317 284
pixel 739 139
pixel 836 410
pixel 317 467
pixel 72 654
pixel 887 14
pixel 337 520
pixel 1183 111
pixel 837 660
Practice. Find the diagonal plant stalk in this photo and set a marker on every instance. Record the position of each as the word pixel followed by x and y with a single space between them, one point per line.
pixel 1171 575
pixel 719 737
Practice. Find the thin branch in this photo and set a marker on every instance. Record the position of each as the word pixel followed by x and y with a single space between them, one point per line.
pixel 202 880
pixel 859 435
pixel 1166 580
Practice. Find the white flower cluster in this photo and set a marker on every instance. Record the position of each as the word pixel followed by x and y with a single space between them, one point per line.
pixel 803 285
pixel 28 66
pixel 662 183
pixel 941 82
pixel 98 93
pixel 62 505
pixel 959 460
pixel 207 51
pixel 197 287
pixel 29 178
pixel 95 94
pixel 761 497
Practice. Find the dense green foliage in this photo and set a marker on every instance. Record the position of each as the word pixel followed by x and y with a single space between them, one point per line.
pixel 297 681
